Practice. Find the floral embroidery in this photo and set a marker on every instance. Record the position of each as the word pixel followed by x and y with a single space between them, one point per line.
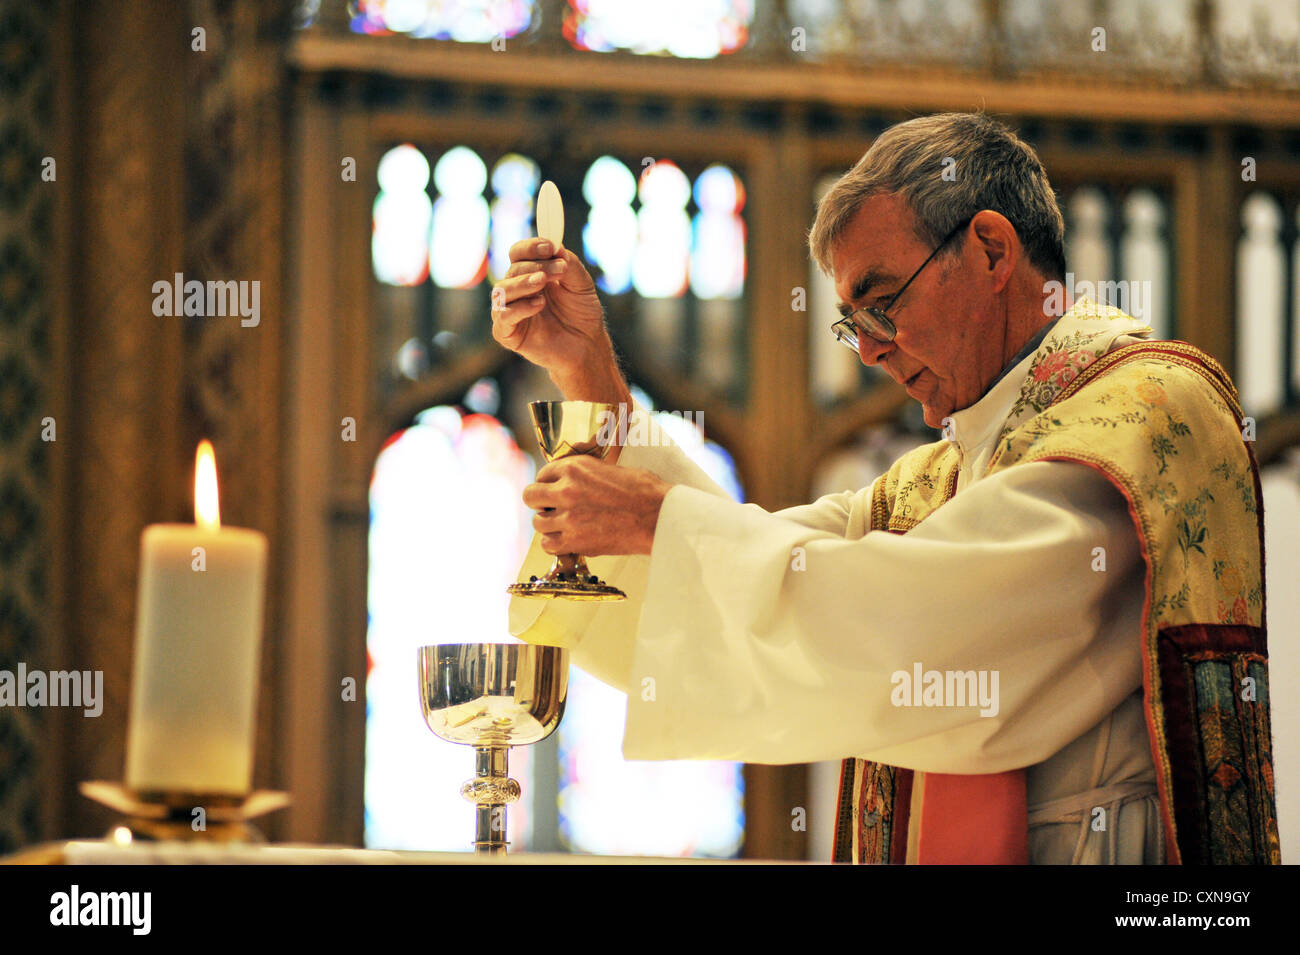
pixel 1161 419
pixel 1062 357
pixel 1198 515
pixel 1192 531
pixel 1243 482
pixel 1058 363
pixel 1236 614
pixel 1162 447
pixel 1175 602
pixel 1064 366
pixel 1227 575
pixel 1151 393
pixel 909 501
pixel 1166 495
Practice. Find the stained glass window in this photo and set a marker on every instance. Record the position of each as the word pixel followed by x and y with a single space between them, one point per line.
pixel 679 244
pixel 442 232
pixel 515 179
pixel 700 29
pixel 468 21
pixel 661 249
pixel 609 237
pixel 403 213
pixel 457 238
pixel 718 235
pixel 448 530
pixel 458 244
pixel 609 805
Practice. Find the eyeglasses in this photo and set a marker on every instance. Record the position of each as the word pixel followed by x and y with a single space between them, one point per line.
pixel 873 320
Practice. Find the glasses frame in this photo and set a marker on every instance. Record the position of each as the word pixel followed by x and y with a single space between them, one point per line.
pixel 846 328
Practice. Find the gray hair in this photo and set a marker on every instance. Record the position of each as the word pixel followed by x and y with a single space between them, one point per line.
pixel 991 168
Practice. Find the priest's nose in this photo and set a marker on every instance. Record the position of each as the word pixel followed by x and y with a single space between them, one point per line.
pixel 870 350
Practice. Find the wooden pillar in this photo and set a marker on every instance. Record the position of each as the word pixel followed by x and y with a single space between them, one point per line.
pixel 779 431
pixel 309 462
pixel 127 468
pixel 1207 226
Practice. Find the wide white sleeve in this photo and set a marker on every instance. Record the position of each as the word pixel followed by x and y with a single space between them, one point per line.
pixel 766 641
pixel 602 634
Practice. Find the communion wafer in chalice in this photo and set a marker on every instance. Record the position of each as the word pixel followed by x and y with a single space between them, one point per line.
pixel 492 696
pixel 565 429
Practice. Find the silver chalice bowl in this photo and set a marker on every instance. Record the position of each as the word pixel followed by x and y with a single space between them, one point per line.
pixel 492 696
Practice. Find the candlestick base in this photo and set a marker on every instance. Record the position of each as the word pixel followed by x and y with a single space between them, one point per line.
pixel 156 816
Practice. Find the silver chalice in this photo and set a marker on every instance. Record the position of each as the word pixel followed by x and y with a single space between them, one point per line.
pixel 492 696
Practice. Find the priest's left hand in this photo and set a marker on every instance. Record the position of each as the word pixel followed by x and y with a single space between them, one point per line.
pixel 599 508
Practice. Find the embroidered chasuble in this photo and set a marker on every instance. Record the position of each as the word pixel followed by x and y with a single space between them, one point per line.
pixel 1075 570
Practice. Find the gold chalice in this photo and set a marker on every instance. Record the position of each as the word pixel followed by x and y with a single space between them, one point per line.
pixel 493 696
pixel 565 429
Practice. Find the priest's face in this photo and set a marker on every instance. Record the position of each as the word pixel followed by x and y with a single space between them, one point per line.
pixel 949 340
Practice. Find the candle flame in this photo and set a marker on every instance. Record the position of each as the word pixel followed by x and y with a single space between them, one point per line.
pixel 207 509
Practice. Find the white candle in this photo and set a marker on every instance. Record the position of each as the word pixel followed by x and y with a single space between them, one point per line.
pixel 198 641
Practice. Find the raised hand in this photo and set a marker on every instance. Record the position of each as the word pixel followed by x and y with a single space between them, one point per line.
pixel 546 309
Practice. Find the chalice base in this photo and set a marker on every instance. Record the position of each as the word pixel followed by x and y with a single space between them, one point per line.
pixel 568 582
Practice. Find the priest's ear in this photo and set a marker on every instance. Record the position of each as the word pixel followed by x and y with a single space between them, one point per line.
pixel 996 246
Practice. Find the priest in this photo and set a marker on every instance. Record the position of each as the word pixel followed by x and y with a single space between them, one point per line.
pixel 1037 639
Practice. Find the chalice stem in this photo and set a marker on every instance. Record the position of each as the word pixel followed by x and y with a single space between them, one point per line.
pixel 486 842
pixel 491 791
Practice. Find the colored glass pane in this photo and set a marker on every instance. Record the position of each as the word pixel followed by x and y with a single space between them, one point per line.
pixel 466 21
pixel 698 29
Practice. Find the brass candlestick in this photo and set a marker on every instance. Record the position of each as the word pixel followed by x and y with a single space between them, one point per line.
pixel 157 816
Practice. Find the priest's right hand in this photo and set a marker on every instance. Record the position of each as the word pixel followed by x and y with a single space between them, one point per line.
pixel 546 309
